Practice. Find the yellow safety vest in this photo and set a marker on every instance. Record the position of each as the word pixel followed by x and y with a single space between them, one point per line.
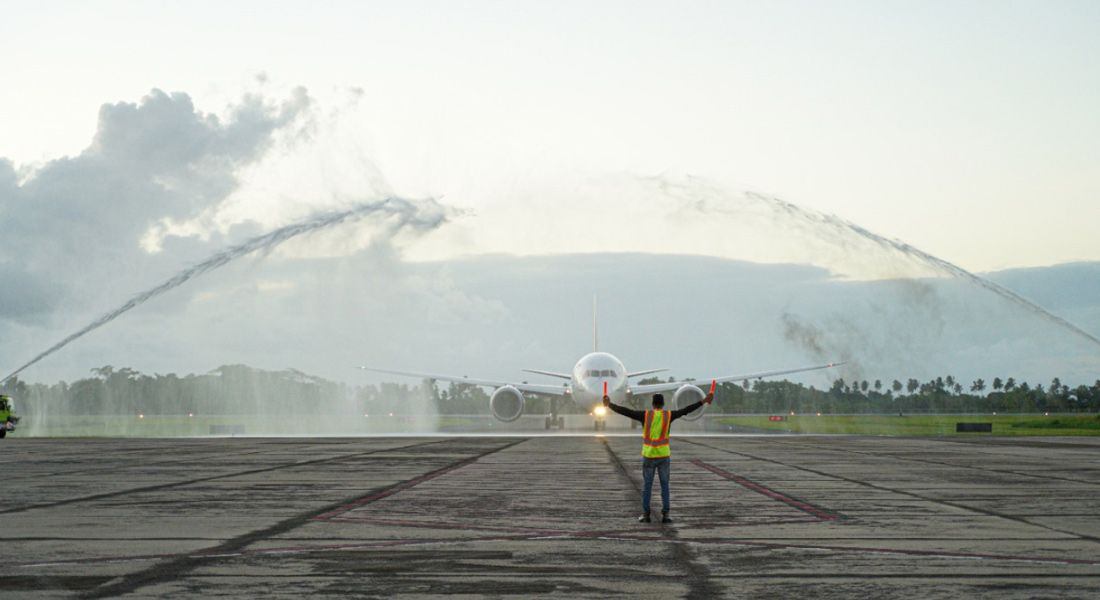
pixel 655 435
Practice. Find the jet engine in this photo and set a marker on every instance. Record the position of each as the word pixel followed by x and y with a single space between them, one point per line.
pixel 686 396
pixel 506 403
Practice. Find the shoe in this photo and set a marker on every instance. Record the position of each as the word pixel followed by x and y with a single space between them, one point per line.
pixel 644 518
pixel 665 518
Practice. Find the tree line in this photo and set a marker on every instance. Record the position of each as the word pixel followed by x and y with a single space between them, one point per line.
pixel 239 389
pixel 940 395
pixel 236 390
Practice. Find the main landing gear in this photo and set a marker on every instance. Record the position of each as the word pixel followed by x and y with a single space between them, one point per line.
pixel 554 420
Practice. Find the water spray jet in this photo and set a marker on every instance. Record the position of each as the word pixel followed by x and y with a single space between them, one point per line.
pixel 940 265
pixel 402 214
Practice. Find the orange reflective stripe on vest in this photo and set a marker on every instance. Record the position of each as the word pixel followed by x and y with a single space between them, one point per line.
pixel 655 434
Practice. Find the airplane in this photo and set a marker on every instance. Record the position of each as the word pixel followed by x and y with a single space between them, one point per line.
pixel 593 375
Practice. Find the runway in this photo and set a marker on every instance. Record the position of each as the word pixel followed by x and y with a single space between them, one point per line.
pixel 412 517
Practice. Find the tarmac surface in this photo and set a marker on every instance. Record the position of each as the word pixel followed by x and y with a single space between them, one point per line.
pixel 535 516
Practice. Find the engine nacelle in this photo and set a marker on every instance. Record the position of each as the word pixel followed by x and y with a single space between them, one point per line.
pixel 506 403
pixel 686 396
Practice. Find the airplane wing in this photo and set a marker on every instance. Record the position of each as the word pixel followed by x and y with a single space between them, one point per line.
pixel 533 388
pixel 705 383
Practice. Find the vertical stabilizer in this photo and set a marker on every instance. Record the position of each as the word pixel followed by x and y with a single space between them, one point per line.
pixel 595 330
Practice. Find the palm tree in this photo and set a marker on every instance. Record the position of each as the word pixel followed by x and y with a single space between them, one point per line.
pixel 978 385
pixel 997 384
pixel 838 385
pixel 912 386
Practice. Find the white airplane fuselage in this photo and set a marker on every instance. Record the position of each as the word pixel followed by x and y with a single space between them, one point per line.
pixel 591 373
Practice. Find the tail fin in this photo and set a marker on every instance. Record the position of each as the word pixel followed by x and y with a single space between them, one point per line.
pixel 595 331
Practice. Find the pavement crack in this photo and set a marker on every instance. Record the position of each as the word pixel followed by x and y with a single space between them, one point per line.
pixel 867 484
pixel 699 582
pixel 958 466
pixel 181 566
pixel 176 484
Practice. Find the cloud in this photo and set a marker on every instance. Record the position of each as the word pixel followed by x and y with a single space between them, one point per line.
pixel 80 220
pixel 8 179
pixel 156 201
pixel 418 216
pixel 24 298
pixel 489 316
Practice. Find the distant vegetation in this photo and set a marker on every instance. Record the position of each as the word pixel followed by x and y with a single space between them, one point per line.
pixel 919 425
pixel 235 390
pixel 940 395
pixel 238 389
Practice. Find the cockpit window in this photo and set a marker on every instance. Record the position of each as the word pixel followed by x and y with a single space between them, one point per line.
pixel 605 373
pixel 613 374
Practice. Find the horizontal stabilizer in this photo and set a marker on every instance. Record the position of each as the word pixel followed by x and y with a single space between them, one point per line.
pixel 640 373
pixel 549 373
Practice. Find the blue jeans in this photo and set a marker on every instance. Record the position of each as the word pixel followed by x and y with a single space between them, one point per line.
pixel 660 465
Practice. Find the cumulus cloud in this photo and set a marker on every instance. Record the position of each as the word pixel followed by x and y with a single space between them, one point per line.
pixel 79 220
pixel 166 193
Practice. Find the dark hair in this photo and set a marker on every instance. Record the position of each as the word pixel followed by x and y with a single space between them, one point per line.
pixel 658 399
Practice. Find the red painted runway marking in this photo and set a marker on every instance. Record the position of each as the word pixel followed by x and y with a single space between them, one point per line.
pixel 756 487
pixel 391 491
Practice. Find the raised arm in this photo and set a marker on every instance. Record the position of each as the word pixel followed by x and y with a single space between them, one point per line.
pixel 676 414
pixel 637 415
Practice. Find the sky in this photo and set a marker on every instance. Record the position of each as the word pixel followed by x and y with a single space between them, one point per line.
pixel 958 127
pixel 137 139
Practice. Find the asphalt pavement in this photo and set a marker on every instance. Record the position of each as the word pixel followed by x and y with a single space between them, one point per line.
pixel 536 516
